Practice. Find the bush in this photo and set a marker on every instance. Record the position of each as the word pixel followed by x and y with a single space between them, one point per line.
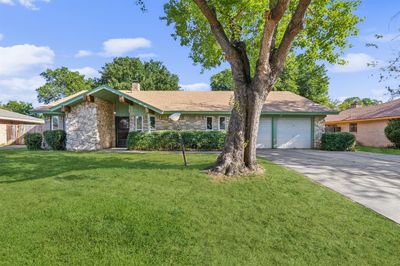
pixel 392 132
pixel 339 141
pixel 169 140
pixel 33 141
pixel 55 139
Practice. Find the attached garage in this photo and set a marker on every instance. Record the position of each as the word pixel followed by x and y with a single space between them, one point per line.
pixel 286 133
pixel 293 133
pixel 264 137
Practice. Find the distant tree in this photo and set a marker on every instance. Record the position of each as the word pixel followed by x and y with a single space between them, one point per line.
pixel 152 75
pixel 24 108
pixel 222 81
pixel 346 104
pixel 62 82
pixel 305 78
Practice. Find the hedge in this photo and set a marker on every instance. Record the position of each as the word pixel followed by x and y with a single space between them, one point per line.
pixel 168 140
pixel 339 141
pixel 55 139
pixel 33 141
pixel 392 132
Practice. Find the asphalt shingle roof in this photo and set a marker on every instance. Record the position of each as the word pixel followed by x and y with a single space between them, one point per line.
pixel 12 116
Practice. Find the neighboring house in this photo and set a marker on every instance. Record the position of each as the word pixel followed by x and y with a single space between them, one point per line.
pixel 366 123
pixel 102 117
pixel 13 127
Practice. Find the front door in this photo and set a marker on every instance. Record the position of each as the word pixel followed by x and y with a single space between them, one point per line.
pixel 122 128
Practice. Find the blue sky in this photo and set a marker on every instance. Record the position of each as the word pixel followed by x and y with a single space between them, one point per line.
pixel 83 35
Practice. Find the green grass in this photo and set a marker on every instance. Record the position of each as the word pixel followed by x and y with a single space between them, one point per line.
pixel 378 150
pixel 123 209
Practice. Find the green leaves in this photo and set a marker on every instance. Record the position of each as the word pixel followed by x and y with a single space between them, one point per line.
pixel 152 75
pixel 18 107
pixel 329 23
pixel 61 82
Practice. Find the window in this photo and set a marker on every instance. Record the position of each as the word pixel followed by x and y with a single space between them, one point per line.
pixel 209 123
pixel 55 123
pixel 222 123
pixel 353 127
pixel 152 123
pixel 139 123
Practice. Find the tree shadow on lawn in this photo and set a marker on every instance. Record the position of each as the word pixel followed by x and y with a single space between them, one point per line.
pixel 29 165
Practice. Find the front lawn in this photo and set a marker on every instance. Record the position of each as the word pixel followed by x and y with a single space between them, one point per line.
pixel 122 209
pixel 378 150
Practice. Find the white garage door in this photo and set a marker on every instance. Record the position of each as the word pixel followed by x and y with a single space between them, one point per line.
pixel 264 137
pixel 293 133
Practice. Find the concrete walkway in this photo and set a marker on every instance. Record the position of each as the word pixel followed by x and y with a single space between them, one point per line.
pixel 12 147
pixel 370 179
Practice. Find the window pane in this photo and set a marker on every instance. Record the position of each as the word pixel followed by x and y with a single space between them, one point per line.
pixel 152 122
pixel 209 123
pixel 55 123
pixel 139 123
pixel 353 127
pixel 222 123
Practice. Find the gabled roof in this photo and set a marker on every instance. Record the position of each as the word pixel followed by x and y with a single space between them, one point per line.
pixel 12 116
pixel 165 102
pixel 387 110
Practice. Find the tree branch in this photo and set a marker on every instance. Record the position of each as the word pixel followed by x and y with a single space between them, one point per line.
pixel 216 27
pixel 296 24
pixel 272 18
pixel 235 53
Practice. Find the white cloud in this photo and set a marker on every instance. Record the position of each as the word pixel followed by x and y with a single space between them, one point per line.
pixel 195 87
pixel 19 59
pixel 1 36
pixel 89 72
pixel 83 53
pixel 356 62
pixel 21 89
pixel 118 47
pixel 30 4
pixel 148 55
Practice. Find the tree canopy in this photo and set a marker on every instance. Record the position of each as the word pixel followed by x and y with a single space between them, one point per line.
pixel 307 79
pixel 24 108
pixel 61 82
pixel 151 75
pixel 347 103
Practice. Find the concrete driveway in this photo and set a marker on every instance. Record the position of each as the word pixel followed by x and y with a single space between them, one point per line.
pixel 370 179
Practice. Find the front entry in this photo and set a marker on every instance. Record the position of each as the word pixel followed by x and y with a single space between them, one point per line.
pixel 122 131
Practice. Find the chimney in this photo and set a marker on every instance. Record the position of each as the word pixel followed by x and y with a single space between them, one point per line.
pixel 135 86
pixel 355 104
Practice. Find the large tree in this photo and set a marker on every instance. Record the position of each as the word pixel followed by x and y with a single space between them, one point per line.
pixel 307 79
pixel 61 82
pixel 152 75
pixel 24 108
pixel 255 38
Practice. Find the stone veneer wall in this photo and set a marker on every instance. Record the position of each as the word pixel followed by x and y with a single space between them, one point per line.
pixel 105 124
pixel 89 126
pixel 319 129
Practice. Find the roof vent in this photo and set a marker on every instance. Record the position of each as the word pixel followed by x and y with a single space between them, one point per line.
pixel 135 86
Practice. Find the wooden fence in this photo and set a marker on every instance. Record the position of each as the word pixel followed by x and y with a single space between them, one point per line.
pixel 15 133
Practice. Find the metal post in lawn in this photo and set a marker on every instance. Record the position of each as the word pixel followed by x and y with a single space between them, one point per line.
pixel 175 118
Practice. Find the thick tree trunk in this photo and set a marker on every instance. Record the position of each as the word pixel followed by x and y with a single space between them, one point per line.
pixel 239 154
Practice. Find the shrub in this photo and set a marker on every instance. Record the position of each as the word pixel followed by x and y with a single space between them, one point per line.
pixel 55 139
pixel 33 141
pixel 392 132
pixel 339 141
pixel 169 140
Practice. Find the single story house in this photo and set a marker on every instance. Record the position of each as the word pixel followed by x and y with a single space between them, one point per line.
pixel 101 118
pixel 13 127
pixel 366 123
